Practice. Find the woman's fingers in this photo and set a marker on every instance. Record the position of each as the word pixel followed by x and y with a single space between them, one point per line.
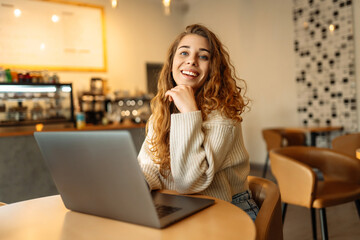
pixel 168 95
pixel 183 97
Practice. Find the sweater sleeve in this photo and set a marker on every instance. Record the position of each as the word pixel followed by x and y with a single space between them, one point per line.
pixel 197 150
pixel 149 168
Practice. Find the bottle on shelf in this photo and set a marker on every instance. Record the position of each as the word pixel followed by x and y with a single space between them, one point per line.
pixel 8 77
pixel 18 76
pixel 14 77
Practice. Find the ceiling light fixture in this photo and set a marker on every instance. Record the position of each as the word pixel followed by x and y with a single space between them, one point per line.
pixel 166 4
pixel 114 3
pixel 55 18
pixel 17 12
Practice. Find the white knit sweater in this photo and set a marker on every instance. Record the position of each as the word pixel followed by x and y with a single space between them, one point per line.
pixel 206 157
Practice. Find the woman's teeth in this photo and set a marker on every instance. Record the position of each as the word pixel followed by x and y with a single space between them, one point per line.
pixel 190 73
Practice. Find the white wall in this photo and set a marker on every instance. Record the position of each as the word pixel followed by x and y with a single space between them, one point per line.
pixel 259 36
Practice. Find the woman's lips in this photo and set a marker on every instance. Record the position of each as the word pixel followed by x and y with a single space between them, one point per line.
pixel 190 73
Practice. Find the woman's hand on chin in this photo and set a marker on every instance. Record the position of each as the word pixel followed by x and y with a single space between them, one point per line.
pixel 183 98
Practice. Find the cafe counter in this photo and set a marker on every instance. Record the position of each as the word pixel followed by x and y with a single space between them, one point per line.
pixel 23 173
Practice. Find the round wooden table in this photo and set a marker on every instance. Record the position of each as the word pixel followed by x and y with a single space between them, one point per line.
pixel 47 218
pixel 315 131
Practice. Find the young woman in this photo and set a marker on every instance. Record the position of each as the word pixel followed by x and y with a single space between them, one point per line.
pixel 194 140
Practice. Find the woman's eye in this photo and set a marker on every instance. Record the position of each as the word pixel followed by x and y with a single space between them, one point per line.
pixel 184 53
pixel 204 57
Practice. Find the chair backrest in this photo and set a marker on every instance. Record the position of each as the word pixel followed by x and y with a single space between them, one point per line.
pixel 347 144
pixel 294 138
pixel 295 179
pixel 333 164
pixel 267 196
pixel 280 137
pixel 273 138
pixel 293 170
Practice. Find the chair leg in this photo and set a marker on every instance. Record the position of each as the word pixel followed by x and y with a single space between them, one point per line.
pixel 283 210
pixel 313 222
pixel 357 203
pixel 323 222
pixel 266 165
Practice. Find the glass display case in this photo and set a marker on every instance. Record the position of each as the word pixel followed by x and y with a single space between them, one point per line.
pixel 30 104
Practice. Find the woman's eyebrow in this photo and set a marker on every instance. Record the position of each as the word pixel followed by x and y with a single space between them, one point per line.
pixel 204 49
pixel 201 49
pixel 184 46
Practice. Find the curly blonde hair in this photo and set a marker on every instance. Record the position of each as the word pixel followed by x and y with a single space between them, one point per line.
pixel 219 92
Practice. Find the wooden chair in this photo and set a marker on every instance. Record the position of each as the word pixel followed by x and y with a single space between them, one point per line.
pixel 280 137
pixel 267 196
pixel 347 144
pixel 299 185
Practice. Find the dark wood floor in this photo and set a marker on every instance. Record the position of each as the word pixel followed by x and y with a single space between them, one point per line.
pixel 343 220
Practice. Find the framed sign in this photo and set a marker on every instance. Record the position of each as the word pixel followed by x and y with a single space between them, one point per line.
pixel 52 35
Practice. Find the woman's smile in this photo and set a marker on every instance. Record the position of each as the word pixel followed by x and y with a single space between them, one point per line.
pixel 190 73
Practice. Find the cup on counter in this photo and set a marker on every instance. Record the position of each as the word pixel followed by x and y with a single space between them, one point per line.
pixel 80 120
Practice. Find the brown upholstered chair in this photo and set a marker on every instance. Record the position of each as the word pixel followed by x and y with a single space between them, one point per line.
pixel 299 185
pixel 280 137
pixel 347 144
pixel 294 138
pixel 267 196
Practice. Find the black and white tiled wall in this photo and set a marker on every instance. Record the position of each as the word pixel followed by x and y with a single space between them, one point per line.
pixel 325 63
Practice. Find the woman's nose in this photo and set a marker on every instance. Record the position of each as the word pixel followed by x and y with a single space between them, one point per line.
pixel 191 61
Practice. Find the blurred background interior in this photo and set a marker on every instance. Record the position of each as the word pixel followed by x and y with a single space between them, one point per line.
pixel 298 59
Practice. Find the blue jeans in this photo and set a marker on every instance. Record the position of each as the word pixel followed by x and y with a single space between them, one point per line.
pixel 245 202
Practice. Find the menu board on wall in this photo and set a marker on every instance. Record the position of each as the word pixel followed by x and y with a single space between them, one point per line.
pixel 52 35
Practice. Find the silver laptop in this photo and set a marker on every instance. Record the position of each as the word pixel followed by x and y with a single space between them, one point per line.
pixel 97 173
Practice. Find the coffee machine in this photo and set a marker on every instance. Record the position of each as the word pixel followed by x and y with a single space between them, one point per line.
pixel 93 103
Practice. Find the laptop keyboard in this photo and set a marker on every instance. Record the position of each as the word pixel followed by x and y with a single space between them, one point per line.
pixel 163 210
